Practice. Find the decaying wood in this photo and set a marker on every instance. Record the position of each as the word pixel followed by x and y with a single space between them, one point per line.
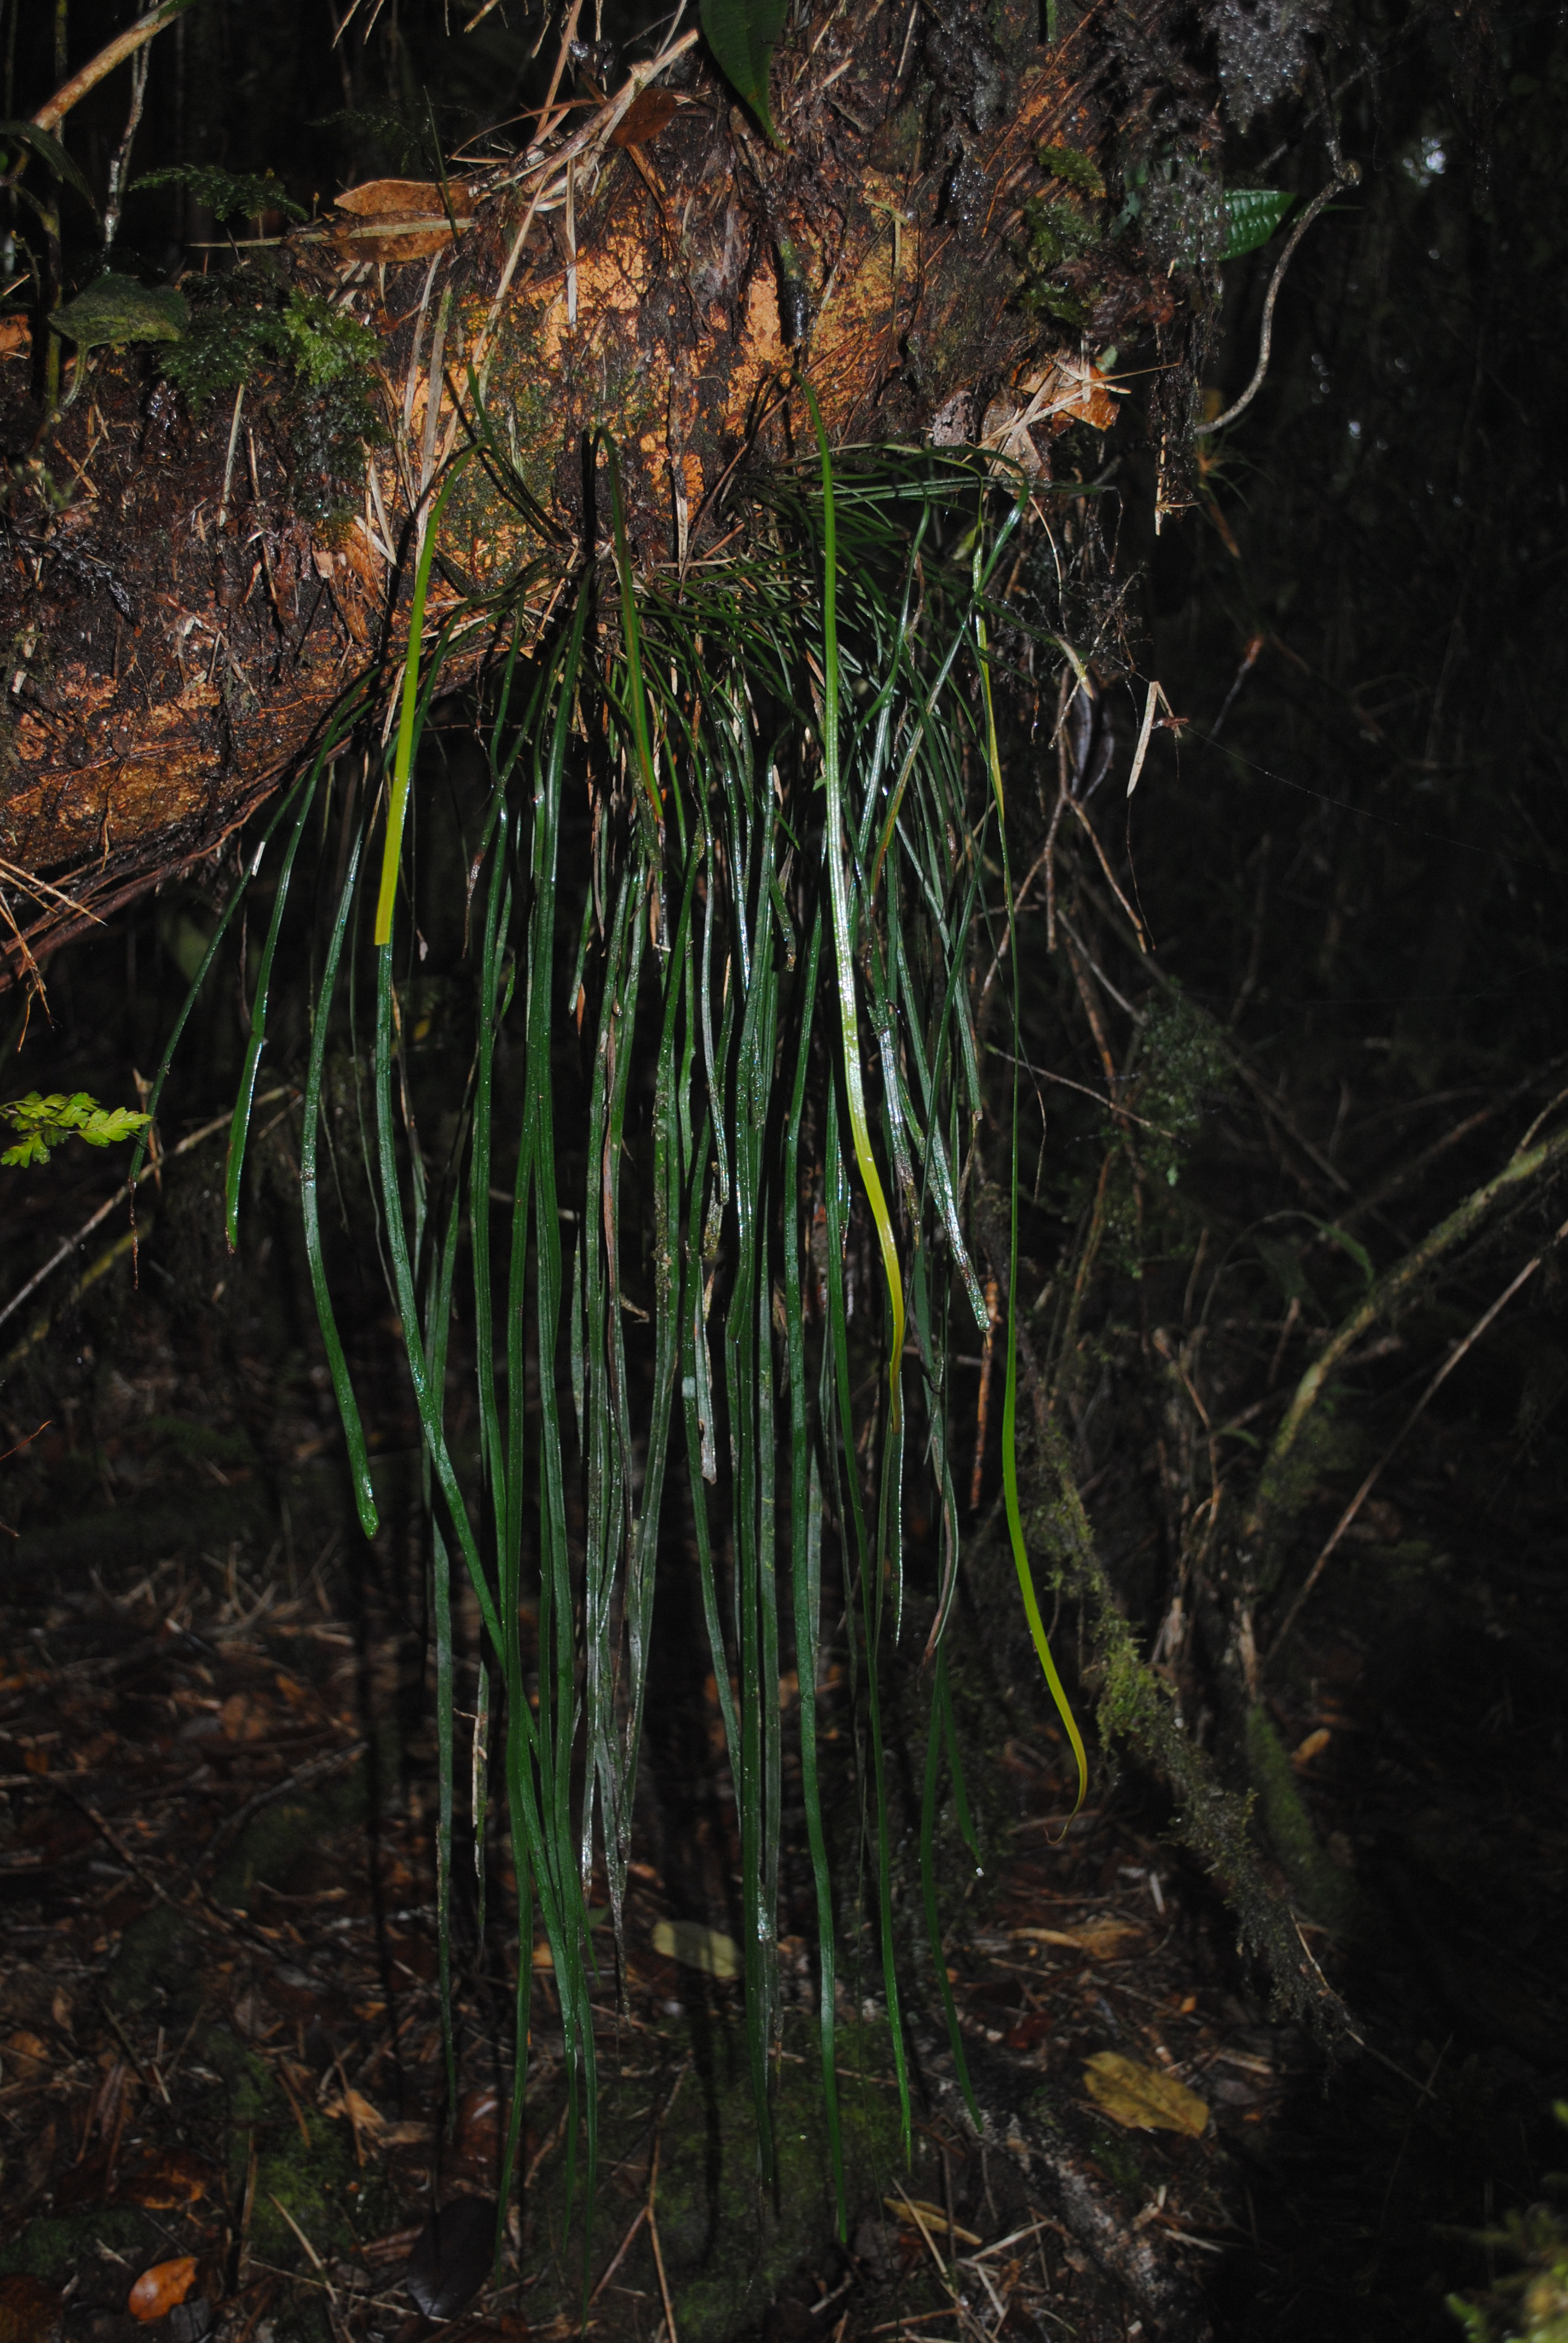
pixel 176 631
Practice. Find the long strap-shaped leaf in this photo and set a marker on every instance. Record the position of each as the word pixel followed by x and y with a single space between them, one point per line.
pixel 806 1574
pixel 1010 1394
pixel 331 1342
pixel 835 1192
pixel 192 991
pixel 239 1122
pixel 843 928
pixel 403 757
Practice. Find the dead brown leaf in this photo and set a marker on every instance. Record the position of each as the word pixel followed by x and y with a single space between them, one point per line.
pixel 403 219
pixel 26 2057
pixel 1102 1940
pixel 1141 2098
pixel 29 2308
pixel 172 2178
pixel 366 2119
pixel 158 2290
pixel 644 118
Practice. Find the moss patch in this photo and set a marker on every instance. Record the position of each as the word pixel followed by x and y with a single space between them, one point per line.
pixel 1324 1892
pixel 728 2240
pixel 56 2246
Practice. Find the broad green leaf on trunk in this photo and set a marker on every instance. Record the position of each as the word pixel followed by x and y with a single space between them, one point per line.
pixel 1251 216
pixel 117 309
pixel 742 34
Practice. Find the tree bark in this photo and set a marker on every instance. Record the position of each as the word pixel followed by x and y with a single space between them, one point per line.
pixel 177 627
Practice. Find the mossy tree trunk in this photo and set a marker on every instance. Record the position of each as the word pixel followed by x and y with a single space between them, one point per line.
pixel 189 586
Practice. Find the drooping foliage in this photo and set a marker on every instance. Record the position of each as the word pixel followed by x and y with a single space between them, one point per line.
pixel 796 812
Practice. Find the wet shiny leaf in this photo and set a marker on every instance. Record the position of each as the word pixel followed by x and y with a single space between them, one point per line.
pixel 158 2290
pixel 452 2258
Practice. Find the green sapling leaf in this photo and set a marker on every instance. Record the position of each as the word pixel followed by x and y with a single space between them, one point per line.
pixel 1251 216
pixel 49 151
pixel 742 34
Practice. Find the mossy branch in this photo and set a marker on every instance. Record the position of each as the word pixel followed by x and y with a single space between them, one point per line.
pixel 1385 1294
pixel 1136 1706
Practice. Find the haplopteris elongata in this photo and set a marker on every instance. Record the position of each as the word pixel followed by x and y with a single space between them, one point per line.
pixel 547 1840
pixel 438 1326
pixel 193 990
pixel 403 755
pixel 239 1122
pixel 869 1574
pixel 806 1574
pixel 1009 1390
pixel 326 1318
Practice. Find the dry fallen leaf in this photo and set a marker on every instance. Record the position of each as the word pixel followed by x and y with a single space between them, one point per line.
pixel 696 1947
pixel 932 2215
pixel 29 2308
pixel 644 118
pixel 158 2290
pixel 399 219
pixel 1102 1940
pixel 1070 389
pixel 1139 2098
pixel 26 2057
pixel 364 2117
pixel 163 2182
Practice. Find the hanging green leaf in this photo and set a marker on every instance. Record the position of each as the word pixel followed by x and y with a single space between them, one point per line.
pixel 49 151
pixel 742 34
pixel 115 309
pixel 1251 216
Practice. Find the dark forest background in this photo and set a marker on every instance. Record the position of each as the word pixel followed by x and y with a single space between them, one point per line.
pixel 1351 861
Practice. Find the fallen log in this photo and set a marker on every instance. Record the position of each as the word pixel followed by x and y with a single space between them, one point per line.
pixel 189 584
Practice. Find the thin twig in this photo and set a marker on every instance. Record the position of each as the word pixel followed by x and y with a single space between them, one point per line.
pixel 1434 1387
pixel 1347 175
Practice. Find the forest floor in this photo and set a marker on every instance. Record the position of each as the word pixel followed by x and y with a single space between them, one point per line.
pixel 223 2094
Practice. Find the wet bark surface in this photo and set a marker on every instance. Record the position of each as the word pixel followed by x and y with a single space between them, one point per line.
pixel 184 594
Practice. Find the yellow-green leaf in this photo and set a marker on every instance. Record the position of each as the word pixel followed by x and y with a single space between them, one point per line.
pixel 1141 2098
pixel 696 1947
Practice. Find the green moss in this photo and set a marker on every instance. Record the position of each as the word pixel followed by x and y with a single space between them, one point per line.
pixel 728 2240
pixel 315 360
pixel 199 1440
pixel 1322 1890
pixel 153 1955
pixel 56 2246
pixel 1075 170
pixel 274 1843
pixel 1213 1822
pixel 316 2180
